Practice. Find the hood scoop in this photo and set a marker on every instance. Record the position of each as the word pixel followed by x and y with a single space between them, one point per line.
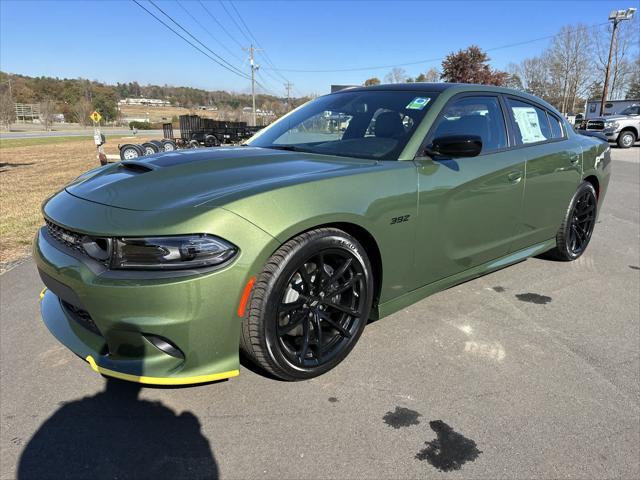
pixel 136 167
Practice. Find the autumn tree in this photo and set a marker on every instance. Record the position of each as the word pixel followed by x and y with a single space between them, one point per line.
pixel 371 81
pixel 430 76
pixel 81 110
pixel 396 75
pixel 471 66
pixel 47 111
pixel 7 109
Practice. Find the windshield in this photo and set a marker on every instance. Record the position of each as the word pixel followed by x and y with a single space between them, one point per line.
pixel 366 124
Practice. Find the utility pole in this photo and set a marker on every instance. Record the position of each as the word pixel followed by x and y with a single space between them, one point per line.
pixel 288 86
pixel 616 16
pixel 254 67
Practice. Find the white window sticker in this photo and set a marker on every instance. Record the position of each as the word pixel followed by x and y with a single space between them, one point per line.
pixel 529 124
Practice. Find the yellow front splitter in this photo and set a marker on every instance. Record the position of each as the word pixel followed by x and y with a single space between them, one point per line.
pixel 161 380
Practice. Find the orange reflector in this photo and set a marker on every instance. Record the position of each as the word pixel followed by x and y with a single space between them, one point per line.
pixel 245 296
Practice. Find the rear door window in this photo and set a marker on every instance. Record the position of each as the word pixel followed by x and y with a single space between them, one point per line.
pixel 556 127
pixel 531 124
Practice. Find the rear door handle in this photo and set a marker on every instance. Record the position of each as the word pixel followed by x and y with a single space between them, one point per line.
pixel 514 177
pixel 574 159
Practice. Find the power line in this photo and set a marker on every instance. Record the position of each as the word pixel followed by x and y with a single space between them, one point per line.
pixel 235 22
pixel 219 24
pixel 192 36
pixel 187 41
pixel 430 60
pixel 208 31
pixel 263 52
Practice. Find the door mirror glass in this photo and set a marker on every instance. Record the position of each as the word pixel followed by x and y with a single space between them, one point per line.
pixel 455 146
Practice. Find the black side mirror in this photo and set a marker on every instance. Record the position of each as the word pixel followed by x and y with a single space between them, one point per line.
pixel 454 146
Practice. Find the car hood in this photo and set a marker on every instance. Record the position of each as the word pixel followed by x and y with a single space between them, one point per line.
pixel 215 176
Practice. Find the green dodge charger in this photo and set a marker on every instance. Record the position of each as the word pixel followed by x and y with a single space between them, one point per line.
pixel 161 270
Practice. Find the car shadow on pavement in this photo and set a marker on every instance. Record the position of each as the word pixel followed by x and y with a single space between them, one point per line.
pixel 115 434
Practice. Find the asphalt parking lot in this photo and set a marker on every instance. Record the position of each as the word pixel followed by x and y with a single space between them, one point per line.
pixel 530 372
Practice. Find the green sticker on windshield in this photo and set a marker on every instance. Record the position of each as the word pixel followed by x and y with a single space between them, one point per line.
pixel 418 103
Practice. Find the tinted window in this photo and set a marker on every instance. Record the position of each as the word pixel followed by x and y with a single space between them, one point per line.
pixel 363 124
pixel 531 122
pixel 480 116
pixel 556 127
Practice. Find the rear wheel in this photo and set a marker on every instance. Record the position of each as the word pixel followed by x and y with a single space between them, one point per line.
pixel 130 151
pixel 626 139
pixel 576 229
pixel 211 141
pixel 309 305
pixel 169 145
pixel 150 148
pixel 194 144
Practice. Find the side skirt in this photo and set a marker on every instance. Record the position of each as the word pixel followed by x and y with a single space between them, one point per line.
pixel 414 296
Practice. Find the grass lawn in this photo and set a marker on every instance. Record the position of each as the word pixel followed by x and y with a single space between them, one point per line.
pixel 31 170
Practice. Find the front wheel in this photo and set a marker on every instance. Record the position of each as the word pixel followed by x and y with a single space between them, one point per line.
pixel 578 224
pixel 309 305
pixel 626 139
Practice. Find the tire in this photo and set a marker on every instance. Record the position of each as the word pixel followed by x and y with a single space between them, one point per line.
pixel 129 151
pixel 158 144
pixel 289 290
pixel 194 144
pixel 576 229
pixel 626 139
pixel 211 141
pixel 149 148
pixel 169 145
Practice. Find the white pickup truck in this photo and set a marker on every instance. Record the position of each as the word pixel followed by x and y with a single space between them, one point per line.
pixel 622 129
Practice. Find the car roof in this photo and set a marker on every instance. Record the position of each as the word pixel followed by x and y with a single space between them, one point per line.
pixel 442 86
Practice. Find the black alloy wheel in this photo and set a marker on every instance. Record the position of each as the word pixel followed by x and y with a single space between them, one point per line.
pixel 577 227
pixel 583 219
pixel 322 308
pixel 309 305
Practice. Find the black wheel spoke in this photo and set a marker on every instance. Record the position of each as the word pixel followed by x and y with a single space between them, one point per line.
pixel 582 222
pixel 342 308
pixel 324 294
pixel 343 331
pixel 344 287
pixel 293 323
pixel 305 339
pixel 338 273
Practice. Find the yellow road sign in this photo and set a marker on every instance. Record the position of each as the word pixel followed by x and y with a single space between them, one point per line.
pixel 96 117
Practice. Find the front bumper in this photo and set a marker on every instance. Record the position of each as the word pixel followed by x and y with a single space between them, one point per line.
pixel 120 322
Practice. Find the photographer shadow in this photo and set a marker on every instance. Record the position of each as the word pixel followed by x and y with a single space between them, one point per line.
pixel 115 434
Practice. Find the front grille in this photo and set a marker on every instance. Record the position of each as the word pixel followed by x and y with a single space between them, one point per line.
pixel 98 248
pixel 595 125
pixel 82 317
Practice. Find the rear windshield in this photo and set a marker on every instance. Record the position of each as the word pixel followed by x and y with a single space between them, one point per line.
pixel 367 124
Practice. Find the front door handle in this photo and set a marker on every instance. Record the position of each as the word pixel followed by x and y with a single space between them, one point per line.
pixel 514 177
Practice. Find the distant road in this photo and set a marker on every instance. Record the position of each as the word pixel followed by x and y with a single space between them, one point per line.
pixel 77 133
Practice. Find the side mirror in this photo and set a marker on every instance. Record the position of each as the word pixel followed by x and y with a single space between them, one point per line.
pixel 454 146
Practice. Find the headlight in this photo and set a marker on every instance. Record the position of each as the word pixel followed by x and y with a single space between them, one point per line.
pixel 610 124
pixel 175 252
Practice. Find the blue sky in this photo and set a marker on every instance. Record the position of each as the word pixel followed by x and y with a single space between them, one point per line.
pixel 116 41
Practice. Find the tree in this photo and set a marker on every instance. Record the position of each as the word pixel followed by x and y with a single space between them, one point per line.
pixel 431 76
pixel 7 110
pixel 621 67
pixel 471 66
pixel 396 75
pixel 633 92
pixel 371 81
pixel 47 111
pixel 81 111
